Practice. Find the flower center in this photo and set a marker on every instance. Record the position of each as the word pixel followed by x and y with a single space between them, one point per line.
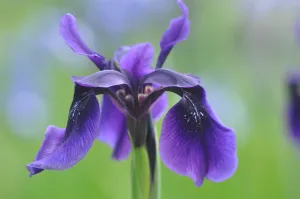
pixel 133 102
pixel 142 96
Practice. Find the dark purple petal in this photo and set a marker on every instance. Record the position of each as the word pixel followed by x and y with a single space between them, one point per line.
pixel 138 60
pixel 63 148
pixel 293 109
pixel 113 129
pixel 102 79
pixel 68 31
pixel 159 107
pixel 178 30
pixel 194 143
pixel 168 78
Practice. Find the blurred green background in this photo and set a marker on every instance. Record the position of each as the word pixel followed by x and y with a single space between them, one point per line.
pixel 241 49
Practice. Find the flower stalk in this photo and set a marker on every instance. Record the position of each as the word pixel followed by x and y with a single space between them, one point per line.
pixel 145 166
pixel 140 174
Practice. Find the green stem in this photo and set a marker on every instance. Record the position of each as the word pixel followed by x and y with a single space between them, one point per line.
pixel 145 165
pixel 156 184
pixel 140 174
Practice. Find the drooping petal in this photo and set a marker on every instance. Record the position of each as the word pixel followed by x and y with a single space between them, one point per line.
pixel 178 30
pixel 53 138
pixel 102 79
pixel 68 31
pixel 169 78
pixel 164 80
pixel 138 60
pixel 113 129
pixel 63 148
pixel 293 109
pixel 194 143
pixel 181 149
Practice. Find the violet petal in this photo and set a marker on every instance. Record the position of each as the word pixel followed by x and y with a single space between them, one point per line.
pixel 159 107
pixel 68 31
pixel 61 148
pixel 53 138
pixel 138 60
pixel 165 80
pixel 194 143
pixel 178 30
pixel 113 129
pixel 102 79
pixel 169 78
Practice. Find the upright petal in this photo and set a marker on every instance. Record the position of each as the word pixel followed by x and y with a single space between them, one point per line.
pixel 63 148
pixel 194 143
pixel 178 30
pixel 113 129
pixel 138 60
pixel 68 31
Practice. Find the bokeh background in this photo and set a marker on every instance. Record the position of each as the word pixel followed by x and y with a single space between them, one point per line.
pixel 241 49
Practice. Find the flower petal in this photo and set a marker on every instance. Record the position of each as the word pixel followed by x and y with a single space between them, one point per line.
pixel 165 80
pixel 102 79
pixel 138 60
pixel 53 138
pixel 62 149
pixel 169 78
pixel 159 107
pixel 68 31
pixel 178 30
pixel 194 143
pixel 181 149
pixel 113 129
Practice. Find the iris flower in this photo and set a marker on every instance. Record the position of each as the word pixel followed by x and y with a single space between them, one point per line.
pixel 293 113
pixel 293 108
pixel 193 141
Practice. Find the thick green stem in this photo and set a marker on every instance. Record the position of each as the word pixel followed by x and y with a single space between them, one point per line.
pixel 145 165
pixel 140 174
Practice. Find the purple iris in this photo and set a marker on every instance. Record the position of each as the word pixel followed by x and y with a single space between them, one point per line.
pixel 193 141
pixel 293 109
pixel 294 106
